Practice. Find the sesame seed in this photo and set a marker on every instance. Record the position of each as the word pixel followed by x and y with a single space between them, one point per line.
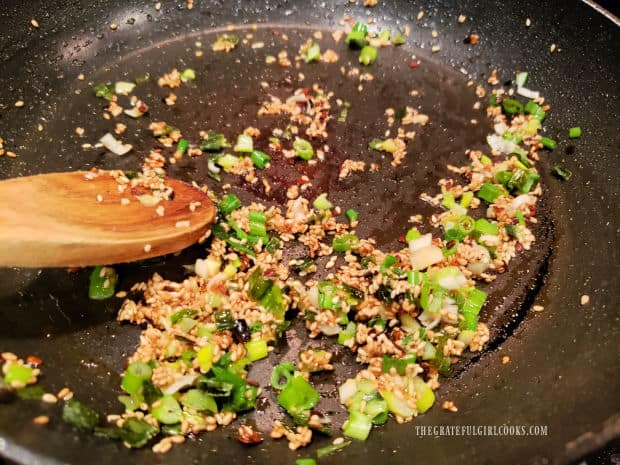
pixel 435 48
pixel 49 398
pixel 41 420
pixel 125 201
pixel 420 15
pixel 160 210
pixel 552 48
pixel 65 394
pixel 585 299
pixel 158 6
pixel 121 294
pixel 538 308
pixel 461 19
pixel 81 77
pixel 39 127
pixel 505 359
pixel 114 26
pixel 182 224
pixel 79 131
pixel 34 23
pixel 147 248
pixel 99 198
pixel 11 154
pixel 198 53
pixel 19 103
pixel 528 22
pixel 337 441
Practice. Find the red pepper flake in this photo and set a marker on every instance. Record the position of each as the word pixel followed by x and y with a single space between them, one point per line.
pixel 33 361
pixel 269 272
pixel 247 435
pixel 401 239
pixel 414 63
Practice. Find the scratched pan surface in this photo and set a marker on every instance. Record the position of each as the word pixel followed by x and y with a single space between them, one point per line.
pixel 564 360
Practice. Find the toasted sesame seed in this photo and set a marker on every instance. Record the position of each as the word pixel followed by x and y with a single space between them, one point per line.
pixel 538 308
pixel 81 77
pixel 121 294
pixel 49 398
pixel 114 26
pixel 39 127
pixel 182 224
pixel 19 103
pixel 420 15
pixel 65 394
pixel 11 154
pixel 79 131
pixel 461 19
pixel 160 210
pixel 505 359
pixel 435 48
pixel 552 48
pixel 585 299
pixel 337 441
pixel 147 248
pixel 41 420
pixel 99 198
pixel 528 22
pixel 158 6
pixel 34 23
pixel 198 53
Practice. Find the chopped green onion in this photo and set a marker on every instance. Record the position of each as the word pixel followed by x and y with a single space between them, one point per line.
pixel 103 91
pixel 399 39
pixel 244 144
pixel 412 234
pixel 548 143
pixel 205 358
pixel 483 226
pixel 466 198
pixel 258 285
pixel 397 405
pixel 470 307
pixel 188 74
pixel 142 79
pixel 399 364
pixel 229 203
pixel 489 192
pixel 385 34
pixel 257 350
pixel 167 410
pixel 224 320
pixel 561 172
pixel 298 396
pixel 321 202
pixel 388 261
pixel 199 400
pixel 312 53
pixel 328 298
pixel 357 37
pixel 102 283
pixel 425 395
pixel 227 161
pixel 135 376
pixel 465 224
pixel 214 142
pixel 351 214
pixel 282 370
pixel 176 317
pixel 519 215
pixel 368 55
pixel 345 242
pixel 347 333
pixel 358 425
pixel 17 373
pixel 305 461
pixel 535 110
pixel 257 223
pixel 274 303
pixel 79 415
pixel 183 145
pixel 303 148
pixel 512 106
pixel 260 159
pixel 485 160
pixel 574 133
pixel 521 79
pixel 133 433
pixel 30 392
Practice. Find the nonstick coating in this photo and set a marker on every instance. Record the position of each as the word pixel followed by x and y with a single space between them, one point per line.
pixel 564 360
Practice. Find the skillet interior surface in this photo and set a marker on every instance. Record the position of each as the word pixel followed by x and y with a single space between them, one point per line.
pixel 563 359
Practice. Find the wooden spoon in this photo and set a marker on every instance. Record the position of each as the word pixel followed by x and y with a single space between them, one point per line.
pixel 66 219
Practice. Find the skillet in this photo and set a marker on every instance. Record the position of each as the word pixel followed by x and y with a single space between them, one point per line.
pixel 564 365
